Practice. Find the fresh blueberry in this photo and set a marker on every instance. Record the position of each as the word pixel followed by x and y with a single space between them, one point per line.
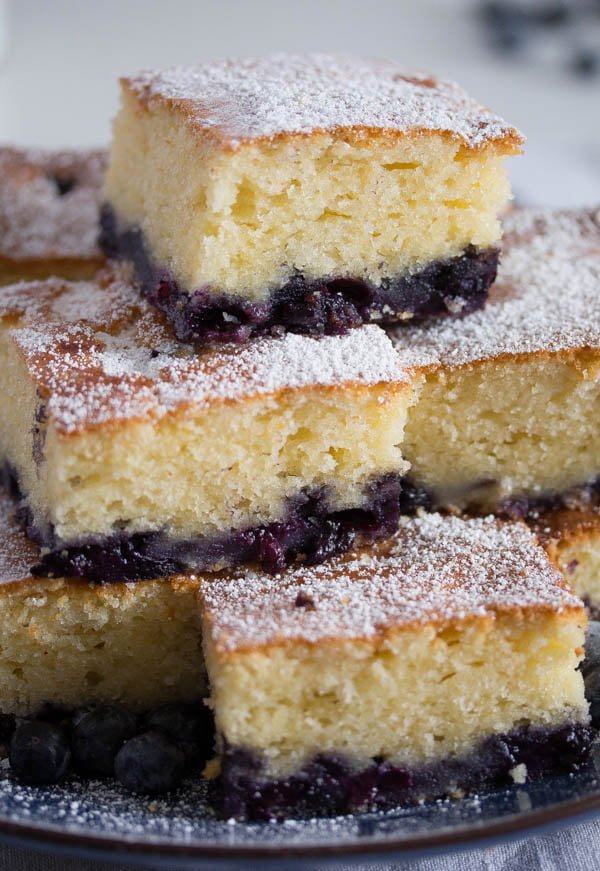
pixel 592 648
pixel 412 498
pixel 39 753
pixel 592 692
pixel 150 764
pixel 189 727
pixel 586 64
pixel 551 14
pixel 97 735
pixel 56 714
pixel 508 25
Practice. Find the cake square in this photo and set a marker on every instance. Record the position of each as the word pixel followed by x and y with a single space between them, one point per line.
pixel 138 457
pixel 508 408
pixel 68 643
pixel 49 213
pixel 442 660
pixel 572 539
pixel 308 193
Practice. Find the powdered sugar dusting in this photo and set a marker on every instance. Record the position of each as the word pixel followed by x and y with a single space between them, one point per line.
pixel 435 569
pixel 36 221
pixel 546 298
pixel 286 93
pixel 100 354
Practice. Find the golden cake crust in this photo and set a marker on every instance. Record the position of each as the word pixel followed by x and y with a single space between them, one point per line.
pixel 72 643
pixel 45 229
pixel 435 571
pixel 240 102
pixel 568 525
pixel 100 357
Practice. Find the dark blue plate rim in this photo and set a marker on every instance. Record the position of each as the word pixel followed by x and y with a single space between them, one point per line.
pixel 454 839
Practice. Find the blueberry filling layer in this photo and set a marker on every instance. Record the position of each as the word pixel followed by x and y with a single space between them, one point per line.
pixel 414 497
pixel 151 752
pixel 458 285
pixel 311 530
pixel 329 785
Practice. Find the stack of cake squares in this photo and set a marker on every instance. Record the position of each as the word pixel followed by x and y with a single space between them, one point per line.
pixel 300 420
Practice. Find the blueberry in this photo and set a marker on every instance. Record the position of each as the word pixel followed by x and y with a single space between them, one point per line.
pixel 592 648
pixel 189 727
pixel 551 14
pixel 272 556
pixel 39 753
pixel 412 498
pixel 150 764
pixel 56 714
pixel 97 735
pixel 586 64
pixel 508 25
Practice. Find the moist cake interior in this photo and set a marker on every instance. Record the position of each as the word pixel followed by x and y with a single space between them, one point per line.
pixel 289 445
pixel 510 396
pixel 435 657
pixel 68 643
pixel 455 286
pixel 358 188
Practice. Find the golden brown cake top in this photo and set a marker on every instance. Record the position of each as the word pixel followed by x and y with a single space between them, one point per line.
pixel 569 525
pixel 236 101
pixel 435 570
pixel 100 355
pixel 49 203
pixel 546 298
pixel 17 553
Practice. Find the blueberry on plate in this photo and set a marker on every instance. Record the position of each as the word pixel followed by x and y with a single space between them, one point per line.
pixel 188 726
pixel 586 63
pixel 97 735
pixel 150 764
pixel 508 24
pixel 39 753
pixel 554 14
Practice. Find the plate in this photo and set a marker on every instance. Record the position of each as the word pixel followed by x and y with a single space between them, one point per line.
pixel 99 819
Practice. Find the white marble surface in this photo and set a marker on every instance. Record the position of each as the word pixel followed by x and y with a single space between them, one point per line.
pixel 58 76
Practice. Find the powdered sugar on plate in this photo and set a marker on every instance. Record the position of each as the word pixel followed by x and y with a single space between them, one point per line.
pixel 435 569
pixel 546 297
pixel 260 98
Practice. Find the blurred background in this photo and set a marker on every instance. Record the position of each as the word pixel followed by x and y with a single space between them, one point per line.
pixel 537 62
